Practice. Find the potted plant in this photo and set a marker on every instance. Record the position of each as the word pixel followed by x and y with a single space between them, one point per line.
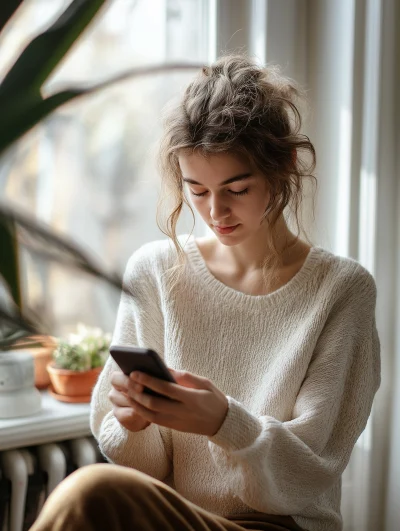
pixel 77 363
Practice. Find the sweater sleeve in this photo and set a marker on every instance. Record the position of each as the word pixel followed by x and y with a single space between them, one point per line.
pixel 281 467
pixel 139 322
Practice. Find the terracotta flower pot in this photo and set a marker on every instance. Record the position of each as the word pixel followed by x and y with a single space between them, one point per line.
pixel 73 383
pixel 42 357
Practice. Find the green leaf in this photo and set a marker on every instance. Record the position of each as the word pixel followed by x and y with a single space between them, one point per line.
pixel 14 339
pixel 34 235
pixel 9 264
pixel 21 112
pixel 44 53
pixel 14 327
pixel 8 8
pixel 41 239
pixel 22 340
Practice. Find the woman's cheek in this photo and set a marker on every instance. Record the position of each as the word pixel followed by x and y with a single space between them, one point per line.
pixel 200 205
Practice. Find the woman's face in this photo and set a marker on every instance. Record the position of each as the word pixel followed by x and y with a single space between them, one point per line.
pixel 227 193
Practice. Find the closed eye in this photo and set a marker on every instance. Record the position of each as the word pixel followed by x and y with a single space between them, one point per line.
pixel 242 192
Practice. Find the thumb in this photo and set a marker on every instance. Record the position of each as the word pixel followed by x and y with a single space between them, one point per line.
pixel 188 379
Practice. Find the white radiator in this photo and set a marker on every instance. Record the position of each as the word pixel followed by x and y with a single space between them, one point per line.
pixel 28 475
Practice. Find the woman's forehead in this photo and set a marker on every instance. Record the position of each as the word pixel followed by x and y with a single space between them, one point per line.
pixel 221 163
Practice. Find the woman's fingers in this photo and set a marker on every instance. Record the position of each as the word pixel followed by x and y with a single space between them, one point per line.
pixel 130 419
pixel 119 380
pixel 122 383
pixel 171 390
pixel 190 380
pixel 124 415
pixel 193 404
pixel 156 404
pixel 120 399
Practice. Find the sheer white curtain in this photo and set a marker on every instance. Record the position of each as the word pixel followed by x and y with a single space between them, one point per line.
pixel 344 53
pixel 352 65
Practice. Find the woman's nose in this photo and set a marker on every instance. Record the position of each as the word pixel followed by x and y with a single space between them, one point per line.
pixel 219 210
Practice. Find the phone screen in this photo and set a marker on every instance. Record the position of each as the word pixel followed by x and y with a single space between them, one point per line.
pixel 131 359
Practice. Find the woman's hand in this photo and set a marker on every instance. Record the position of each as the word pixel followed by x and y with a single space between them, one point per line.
pixel 124 407
pixel 196 405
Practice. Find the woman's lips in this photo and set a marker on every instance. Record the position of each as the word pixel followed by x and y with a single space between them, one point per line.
pixel 225 230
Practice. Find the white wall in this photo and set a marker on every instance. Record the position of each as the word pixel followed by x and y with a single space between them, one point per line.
pixel 330 78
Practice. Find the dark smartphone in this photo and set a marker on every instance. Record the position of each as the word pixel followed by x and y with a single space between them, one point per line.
pixel 131 359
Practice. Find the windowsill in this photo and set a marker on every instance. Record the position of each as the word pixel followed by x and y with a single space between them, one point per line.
pixel 56 421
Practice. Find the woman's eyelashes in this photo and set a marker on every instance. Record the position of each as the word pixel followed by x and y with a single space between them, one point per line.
pixel 242 192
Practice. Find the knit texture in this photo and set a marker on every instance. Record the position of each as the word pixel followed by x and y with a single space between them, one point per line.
pixel 300 368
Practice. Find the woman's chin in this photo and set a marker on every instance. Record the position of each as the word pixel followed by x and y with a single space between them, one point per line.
pixel 232 238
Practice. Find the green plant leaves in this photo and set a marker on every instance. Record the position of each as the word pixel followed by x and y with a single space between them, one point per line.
pixel 9 266
pixel 14 327
pixel 23 111
pixel 20 228
pixel 21 102
pixel 39 238
pixel 43 54
pixel 8 8
pixel 71 357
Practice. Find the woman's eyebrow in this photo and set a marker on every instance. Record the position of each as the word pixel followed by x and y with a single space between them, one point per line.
pixel 241 177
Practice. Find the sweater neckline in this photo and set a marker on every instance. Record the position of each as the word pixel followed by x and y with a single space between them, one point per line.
pixel 218 287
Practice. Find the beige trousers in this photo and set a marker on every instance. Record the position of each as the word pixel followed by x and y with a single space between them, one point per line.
pixel 105 497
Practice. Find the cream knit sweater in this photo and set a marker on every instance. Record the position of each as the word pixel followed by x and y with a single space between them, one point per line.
pixel 300 368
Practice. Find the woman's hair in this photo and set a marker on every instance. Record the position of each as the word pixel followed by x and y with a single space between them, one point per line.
pixel 238 107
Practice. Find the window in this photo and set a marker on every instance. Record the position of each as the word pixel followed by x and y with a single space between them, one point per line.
pixel 89 170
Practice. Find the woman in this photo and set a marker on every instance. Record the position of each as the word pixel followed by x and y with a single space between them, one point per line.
pixel 272 341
